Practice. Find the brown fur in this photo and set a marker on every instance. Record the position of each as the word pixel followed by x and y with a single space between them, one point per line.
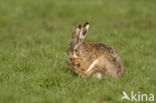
pixel 109 62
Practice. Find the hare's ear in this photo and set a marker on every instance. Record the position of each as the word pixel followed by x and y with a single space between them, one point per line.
pixel 76 32
pixel 84 31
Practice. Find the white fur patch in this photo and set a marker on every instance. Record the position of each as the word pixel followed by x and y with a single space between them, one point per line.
pixel 92 65
pixel 75 56
pixel 99 75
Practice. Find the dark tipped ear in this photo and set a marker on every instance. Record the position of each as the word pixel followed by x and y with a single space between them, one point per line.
pixel 76 32
pixel 84 31
pixel 86 27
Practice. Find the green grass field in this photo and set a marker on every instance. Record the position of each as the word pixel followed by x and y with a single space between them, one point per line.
pixel 34 36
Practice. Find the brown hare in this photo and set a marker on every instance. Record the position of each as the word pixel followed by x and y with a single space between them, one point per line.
pixel 92 59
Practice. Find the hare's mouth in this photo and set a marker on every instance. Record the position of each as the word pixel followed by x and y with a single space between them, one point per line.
pixel 75 56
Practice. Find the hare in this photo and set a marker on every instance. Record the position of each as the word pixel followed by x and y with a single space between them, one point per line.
pixel 92 59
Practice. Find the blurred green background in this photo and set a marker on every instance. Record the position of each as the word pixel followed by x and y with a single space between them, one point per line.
pixel 34 36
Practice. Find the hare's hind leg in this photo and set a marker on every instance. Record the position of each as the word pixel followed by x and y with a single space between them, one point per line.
pixel 94 69
pixel 108 68
pixel 103 68
pixel 98 75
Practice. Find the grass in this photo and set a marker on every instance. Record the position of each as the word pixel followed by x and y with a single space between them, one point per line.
pixel 34 35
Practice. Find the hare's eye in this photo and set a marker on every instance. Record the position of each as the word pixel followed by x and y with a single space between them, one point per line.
pixel 76 50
